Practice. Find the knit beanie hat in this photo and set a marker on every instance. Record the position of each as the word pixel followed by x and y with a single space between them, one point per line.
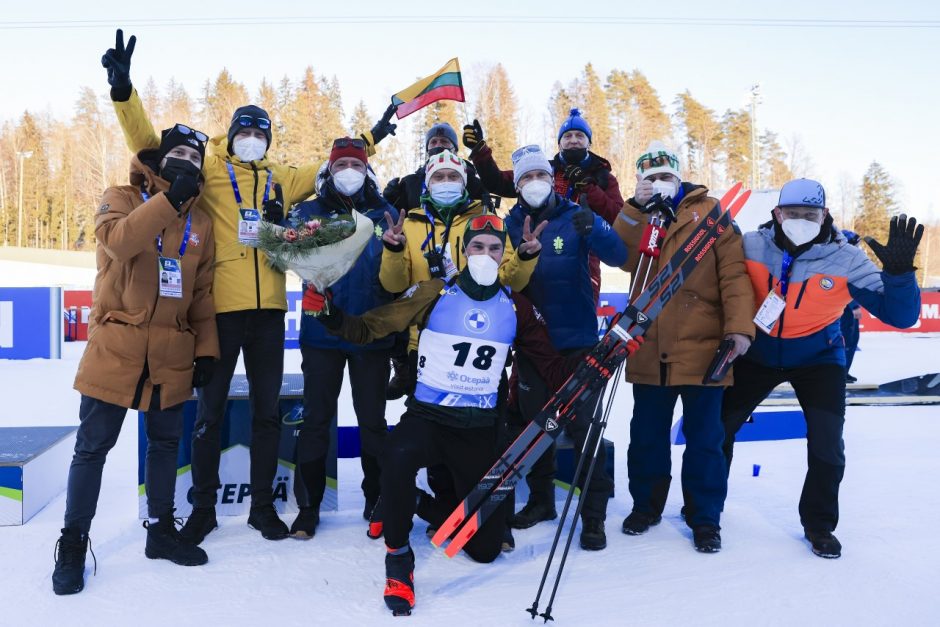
pixel 442 129
pixel 348 147
pixel 181 135
pixel 656 159
pixel 574 122
pixel 527 159
pixel 445 160
pixel 260 120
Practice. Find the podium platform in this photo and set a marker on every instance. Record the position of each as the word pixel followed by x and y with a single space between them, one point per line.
pixel 34 465
pixel 234 495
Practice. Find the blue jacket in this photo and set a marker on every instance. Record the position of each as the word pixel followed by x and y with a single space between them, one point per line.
pixel 560 286
pixel 360 290
pixel 822 281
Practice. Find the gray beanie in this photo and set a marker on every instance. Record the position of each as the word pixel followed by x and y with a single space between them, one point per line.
pixel 443 129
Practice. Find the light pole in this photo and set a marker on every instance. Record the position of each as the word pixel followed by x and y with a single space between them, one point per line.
pixel 22 156
pixel 755 140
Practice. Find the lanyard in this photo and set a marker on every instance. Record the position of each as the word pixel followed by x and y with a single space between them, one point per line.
pixel 238 196
pixel 186 231
pixel 444 237
pixel 784 281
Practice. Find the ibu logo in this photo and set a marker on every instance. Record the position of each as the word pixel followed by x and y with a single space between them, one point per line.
pixel 476 321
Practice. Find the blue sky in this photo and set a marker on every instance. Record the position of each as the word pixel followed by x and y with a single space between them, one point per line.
pixel 852 94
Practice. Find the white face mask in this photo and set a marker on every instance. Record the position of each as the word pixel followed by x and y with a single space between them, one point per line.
pixel 483 269
pixel 666 189
pixel 348 181
pixel 536 192
pixel 800 231
pixel 447 193
pixel 249 148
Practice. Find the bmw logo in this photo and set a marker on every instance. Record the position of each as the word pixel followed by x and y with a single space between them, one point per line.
pixel 476 321
pixel 826 283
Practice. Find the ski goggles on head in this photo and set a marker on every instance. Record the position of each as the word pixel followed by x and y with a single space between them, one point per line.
pixel 182 129
pixel 525 150
pixel 656 160
pixel 487 221
pixel 247 121
pixel 346 142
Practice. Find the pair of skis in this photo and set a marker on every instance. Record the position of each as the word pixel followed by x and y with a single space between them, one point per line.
pixel 587 380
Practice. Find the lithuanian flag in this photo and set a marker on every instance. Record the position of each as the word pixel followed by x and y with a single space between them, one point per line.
pixel 445 84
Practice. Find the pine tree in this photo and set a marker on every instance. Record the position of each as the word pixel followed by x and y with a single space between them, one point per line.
pixel 876 204
pixel 498 112
pixel 312 120
pixel 637 118
pixel 774 169
pixel 736 145
pixel 219 100
pixel 596 110
pixel 702 139
pixel 178 106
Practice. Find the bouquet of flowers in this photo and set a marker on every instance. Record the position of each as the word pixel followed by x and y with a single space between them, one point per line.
pixel 320 251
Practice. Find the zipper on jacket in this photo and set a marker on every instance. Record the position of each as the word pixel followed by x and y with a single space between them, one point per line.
pixel 799 297
pixel 254 170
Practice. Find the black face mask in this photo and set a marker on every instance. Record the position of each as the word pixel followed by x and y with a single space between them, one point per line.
pixel 574 156
pixel 435 151
pixel 175 167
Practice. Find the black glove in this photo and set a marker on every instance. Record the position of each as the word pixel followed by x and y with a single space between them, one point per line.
pixel 182 189
pixel 472 134
pixel 273 210
pixel 904 235
pixel 117 61
pixel 583 221
pixel 383 128
pixel 392 191
pixel 203 367
pixel 577 177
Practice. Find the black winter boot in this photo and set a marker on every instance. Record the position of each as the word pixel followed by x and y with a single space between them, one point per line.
pixel 200 523
pixel 304 526
pixel 508 543
pixel 376 514
pixel 266 520
pixel 164 542
pixel 824 544
pixel 593 537
pixel 533 513
pixel 69 574
pixel 707 539
pixel 400 582
pixel 638 523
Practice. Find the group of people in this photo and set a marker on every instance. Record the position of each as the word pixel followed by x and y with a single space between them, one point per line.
pixel 495 312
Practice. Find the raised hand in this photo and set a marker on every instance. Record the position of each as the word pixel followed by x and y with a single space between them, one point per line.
pixel 531 245
pixel 904 235
pixel 117 60
pixel 472 135
pixel 273 209
pixel 643 191
pixel 394 236
pixel 384 127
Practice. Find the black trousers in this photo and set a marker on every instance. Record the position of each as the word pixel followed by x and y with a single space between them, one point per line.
pixel 98 432
pixel 259 335
pixel 820 390
pixel 416 443
pixel 323 378
pixel 533 393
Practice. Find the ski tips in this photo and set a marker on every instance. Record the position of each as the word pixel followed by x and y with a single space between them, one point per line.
pixel 732 202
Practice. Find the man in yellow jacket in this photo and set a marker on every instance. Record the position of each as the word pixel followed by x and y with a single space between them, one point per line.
pixel 250 296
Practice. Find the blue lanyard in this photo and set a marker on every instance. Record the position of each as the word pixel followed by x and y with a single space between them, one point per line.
pixel 427 239
pixel 784 281
pixel 186 231
pixel 238 196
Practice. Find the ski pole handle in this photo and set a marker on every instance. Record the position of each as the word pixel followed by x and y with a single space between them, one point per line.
pixel 652 240
pixel 720 363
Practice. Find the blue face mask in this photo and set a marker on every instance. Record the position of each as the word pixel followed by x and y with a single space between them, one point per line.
pixel 446 194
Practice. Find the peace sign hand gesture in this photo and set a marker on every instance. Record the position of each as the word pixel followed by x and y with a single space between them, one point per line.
pixel 394 236
pixel 117 60
pixel 531 246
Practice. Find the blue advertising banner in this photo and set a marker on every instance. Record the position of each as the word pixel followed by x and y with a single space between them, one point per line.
pixel 31 322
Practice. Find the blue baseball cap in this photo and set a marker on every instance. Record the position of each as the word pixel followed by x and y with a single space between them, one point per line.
pixel 802 193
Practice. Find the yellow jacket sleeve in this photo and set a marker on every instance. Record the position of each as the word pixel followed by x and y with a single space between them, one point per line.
pixel 395 271
pixel 138 131
pixel 513 271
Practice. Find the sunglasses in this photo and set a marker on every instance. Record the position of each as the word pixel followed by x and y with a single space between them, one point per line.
pixel 487 220
pixel 346 142
pixel 657 160
pixel 525 150
pixel 248 121
pixel 182 129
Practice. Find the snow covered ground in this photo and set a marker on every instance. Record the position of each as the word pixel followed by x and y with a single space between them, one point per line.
pixel 765 575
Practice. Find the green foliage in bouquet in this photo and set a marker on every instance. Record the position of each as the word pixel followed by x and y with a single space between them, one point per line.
pixel 301 239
